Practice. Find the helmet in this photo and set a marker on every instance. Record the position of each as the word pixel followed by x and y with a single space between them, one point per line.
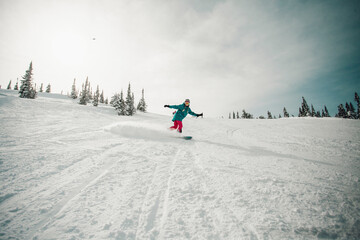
pixel 187 100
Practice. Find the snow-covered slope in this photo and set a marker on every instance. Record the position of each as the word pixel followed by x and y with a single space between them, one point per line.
pixel 78 172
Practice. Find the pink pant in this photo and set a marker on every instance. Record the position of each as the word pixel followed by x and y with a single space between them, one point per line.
pixel 177 125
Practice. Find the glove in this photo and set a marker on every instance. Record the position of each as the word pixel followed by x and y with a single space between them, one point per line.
pixel 166 106
pixel 200 115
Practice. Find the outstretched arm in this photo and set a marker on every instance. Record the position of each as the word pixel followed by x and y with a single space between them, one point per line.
pixel 195 114
pixel 173 106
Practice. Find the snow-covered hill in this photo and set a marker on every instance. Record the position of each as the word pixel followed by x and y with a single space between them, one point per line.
pixel 78 172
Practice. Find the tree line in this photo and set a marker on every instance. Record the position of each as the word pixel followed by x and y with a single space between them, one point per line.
pixel 126 107
pixel 348 111
pixel 123 107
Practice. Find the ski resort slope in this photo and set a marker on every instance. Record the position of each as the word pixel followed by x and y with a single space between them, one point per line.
pixel 69 171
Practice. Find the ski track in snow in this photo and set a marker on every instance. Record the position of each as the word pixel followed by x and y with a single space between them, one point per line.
pixel 90 174
pixel 58 209
pixel 166 196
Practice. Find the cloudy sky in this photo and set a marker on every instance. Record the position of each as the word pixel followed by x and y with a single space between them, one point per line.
pixel 256 55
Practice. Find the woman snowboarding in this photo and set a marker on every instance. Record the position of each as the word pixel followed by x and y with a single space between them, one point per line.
pixel 182 111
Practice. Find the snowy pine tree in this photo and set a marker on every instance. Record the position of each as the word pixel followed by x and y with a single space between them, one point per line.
pixel 120 105
pixel 237 115
pixel 269 115
pixel 130 104
pixel 304 111
pixel 341 112
pixel 96 97
pixel 89 93
pixel 102 97
pixel 106 101
pixel 17 85
pixel 133 102
pixel 48 88
pixel 114 99
pixel 233 115
pixel 246 115
pixel 26 88
pixel 84 99
pixel 142 104
pixel 313 112
pixel 352 113
pixel 358 105
pixel 41 88
pixel 286 114
pixel 347 107
pixel 326 112
pixel 9 86
pixel 74 93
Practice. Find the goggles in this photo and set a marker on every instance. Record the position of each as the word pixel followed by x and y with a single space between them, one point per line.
pixel 187 103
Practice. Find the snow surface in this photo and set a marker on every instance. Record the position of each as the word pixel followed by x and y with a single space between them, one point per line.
pixel 79 172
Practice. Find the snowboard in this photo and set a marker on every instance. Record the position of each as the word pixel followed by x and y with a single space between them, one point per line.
pixel 187 137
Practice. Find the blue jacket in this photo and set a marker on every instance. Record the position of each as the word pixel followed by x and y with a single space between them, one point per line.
pixel 181 112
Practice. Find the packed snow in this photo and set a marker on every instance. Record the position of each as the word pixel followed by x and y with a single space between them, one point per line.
pixel 69 171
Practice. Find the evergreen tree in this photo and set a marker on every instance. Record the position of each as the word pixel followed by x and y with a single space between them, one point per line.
pixel 313 113
pixel 9 86
pixel 89 93
pixel 26 88
pixel 261 117
pixel 286 114
pixel 269 115
pixel 246 115
pixel 133 102
pixel 279 115
pixel 120 105
pixel 300 113
pixel 318 114
pixel 130 105
pixel 237 115
pixel 41 88
pixel 352 114
pixel 102 97
pixel 48 88
pixel 106 101
pixel 17 85
pixel 96 97
pixel 322 113
pixel 84 99
pixel 305 110
pixel 347 107
pixel 358 105
pixel 341 112
pixel 233 115
pixel 114 99
pixel 326 112
pixel 142 104
pixel 74 93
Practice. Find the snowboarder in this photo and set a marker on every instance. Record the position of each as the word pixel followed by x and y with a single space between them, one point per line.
pixel 182 111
